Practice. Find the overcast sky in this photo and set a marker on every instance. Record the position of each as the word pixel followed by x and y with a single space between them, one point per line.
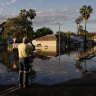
pixel 50 12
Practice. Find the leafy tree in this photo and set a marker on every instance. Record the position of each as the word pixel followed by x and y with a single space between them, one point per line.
pixel 43 31
pixel 65 34
pixel 81 31
pixel 27 16
pixel 2 28
pixel 69 33
pixel 61 33
pixel 19 26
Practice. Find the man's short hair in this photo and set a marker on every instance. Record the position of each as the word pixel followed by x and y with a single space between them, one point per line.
pixel 25 40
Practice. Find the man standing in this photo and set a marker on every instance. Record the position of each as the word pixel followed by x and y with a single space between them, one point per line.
pixel 25 51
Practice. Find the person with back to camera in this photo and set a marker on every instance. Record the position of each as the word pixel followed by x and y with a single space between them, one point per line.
pixel 24 51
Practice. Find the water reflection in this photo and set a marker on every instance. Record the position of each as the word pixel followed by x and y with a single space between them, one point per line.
pixel 8 58
pixel 81 65
pixel 51 51
pixel 45 65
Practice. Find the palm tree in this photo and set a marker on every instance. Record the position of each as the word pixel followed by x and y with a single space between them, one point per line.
pixel 78 21
pixel 32 14
pixel 85 12
pixel 22 14
pixel 81 31
pixel 26 15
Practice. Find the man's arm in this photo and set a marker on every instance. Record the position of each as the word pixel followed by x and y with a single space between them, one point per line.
pixel 33 47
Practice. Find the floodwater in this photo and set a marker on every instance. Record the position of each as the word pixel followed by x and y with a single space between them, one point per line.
pixel 48 66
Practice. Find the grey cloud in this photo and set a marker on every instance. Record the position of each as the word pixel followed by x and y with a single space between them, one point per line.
pixel 52 16
pixel 1 10
pixel 3 18
pixel 92 21
pixel 11 2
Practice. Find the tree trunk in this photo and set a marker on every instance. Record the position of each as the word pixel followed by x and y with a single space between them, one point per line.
pixel 85 36
pixel 77 28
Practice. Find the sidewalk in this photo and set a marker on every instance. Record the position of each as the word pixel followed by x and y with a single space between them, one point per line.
pixel 78 90
pixel 85 86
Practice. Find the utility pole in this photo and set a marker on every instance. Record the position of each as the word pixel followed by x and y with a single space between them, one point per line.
pixel 59 44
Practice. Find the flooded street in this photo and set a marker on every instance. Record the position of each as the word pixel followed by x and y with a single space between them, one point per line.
pixel 47 66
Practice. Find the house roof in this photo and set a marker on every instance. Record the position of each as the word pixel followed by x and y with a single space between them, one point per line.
pixel 94 37
pixel 47 38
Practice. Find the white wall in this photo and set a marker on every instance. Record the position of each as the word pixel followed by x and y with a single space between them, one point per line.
pixel 44 43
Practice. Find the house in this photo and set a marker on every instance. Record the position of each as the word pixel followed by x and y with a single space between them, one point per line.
pixel 47 51
pixel 80 41
pixel 49 41
pixel 77 41
pixel 93 38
